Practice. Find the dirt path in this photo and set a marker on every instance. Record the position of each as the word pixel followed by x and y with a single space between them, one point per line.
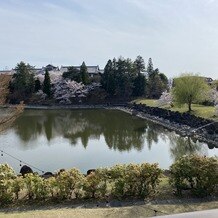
pixel 146 210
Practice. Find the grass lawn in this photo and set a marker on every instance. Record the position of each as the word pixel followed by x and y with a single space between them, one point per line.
pixel 198 110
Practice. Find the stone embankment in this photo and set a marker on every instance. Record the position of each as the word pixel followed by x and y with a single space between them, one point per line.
pixel 183 123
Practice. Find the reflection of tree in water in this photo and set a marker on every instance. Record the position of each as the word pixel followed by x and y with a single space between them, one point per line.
pixel 120 130
pixel 180 146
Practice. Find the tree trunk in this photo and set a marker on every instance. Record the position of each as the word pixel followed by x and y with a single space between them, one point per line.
pixel 189 106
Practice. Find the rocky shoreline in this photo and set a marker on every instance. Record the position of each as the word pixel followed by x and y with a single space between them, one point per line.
pixel 185 124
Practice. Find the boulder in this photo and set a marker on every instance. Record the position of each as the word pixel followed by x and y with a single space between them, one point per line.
pixel 25 170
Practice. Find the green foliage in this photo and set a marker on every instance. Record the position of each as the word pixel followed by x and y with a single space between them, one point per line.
pixel 157 83
pixel 138 180
pixel 36 186
pixel 150 68
pixel 189 89
pixel 6 178
pixel 139 64
pixel 22 85
pixel 124 78
pixel 198 174
pixel 139 85
pixel 69 182
pixel 47 84
pixel 72 74
pixel 84 74
pixel 37 85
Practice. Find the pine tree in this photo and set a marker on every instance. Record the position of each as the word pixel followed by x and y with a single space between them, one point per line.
pixel 139 64
pixel 84 73
pixel 37 85
pixel 47 84
pixel 22 86
pixel 150 68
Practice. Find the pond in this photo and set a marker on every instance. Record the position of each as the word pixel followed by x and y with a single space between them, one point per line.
pixel 53 139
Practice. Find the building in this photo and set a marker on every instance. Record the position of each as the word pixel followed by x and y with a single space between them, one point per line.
pixel 92 70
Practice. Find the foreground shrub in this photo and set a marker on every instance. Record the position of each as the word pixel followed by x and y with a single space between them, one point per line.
pixel 139 180
pixel 7 175
pixel 69 182
pixel 132 180
pixel 195 173
pixel 36 186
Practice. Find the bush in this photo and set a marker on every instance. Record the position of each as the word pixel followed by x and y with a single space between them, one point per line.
pixel 36 186
pixel 68 183
pixel 6 178
pixel 139 180
pixel 132 180
pixel 195 173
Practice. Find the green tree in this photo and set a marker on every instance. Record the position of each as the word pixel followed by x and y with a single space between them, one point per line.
pixel 139 64
pixel 47 84
pixel 37 85
pixel 189 88
pixel 157 84
pixel 84 73
pixel 139 85
pixel 150 68
pixel 72 74
pixel 22 85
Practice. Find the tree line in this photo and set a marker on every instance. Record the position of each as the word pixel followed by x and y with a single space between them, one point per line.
pixel 122 78
pixel 126 78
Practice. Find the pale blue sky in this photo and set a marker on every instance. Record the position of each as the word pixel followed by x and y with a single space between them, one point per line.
pixel 179 35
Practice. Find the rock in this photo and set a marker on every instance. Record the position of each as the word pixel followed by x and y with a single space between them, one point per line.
pixel 25 170
pixel 47 175
pixel 90 171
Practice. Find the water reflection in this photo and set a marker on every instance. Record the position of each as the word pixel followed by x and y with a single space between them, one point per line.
pixel 121 131
pixel 180 146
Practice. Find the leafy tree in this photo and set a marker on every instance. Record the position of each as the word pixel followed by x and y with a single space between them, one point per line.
pixel 189 88
pixel 84 73
pixel 72 74
pixel 22 85
pixel 37 85
pixel 47 84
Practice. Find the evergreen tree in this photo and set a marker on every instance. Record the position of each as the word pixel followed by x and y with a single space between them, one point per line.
pixel 150 67
pixel 47 84
pixel 73 74
pixel 139 85
pixel 139 64
pixel 84 73
pixel 37 85
pixel 22 85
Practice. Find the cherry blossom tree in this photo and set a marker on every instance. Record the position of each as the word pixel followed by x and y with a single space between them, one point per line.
pixel 166 98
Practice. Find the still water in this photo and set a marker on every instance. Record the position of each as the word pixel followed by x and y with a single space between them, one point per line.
pixel 86 139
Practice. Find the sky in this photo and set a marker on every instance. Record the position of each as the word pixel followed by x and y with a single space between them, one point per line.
pixel 179 35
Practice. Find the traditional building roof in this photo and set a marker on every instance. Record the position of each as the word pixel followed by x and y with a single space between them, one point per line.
pixel 90 69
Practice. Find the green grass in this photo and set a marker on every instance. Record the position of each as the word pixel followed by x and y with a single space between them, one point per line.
pixel 207 112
